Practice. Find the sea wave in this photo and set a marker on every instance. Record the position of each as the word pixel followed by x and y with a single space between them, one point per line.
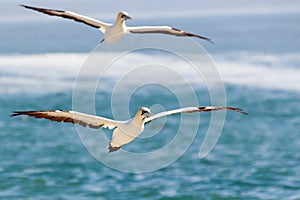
pixel 56 72
pixel 38 73
pixel 265 71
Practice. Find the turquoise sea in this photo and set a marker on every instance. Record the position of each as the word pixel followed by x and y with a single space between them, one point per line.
pixel 256 157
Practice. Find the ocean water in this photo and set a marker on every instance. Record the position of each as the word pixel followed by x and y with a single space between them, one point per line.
pixel 256 157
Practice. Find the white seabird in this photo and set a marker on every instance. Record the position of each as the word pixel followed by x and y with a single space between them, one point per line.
pixel 113 32
pixel 125 131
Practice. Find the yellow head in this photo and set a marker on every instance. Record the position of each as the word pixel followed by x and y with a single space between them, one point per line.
pixel 123 16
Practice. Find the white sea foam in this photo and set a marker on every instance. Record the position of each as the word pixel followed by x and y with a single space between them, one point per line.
pixel 48 73
pixel 261 71
pixel 39 73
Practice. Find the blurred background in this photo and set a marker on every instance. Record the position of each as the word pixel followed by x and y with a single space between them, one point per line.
pixel 256 52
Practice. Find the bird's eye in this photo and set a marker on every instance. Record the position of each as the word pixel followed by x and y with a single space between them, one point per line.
pixel 144 111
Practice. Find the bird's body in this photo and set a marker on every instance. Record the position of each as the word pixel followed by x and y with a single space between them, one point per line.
pixel 128 130
pixel 125 131
pixel 113 32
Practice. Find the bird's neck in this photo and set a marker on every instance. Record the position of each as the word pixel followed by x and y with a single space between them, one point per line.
pixel 120 22
pixel 139 120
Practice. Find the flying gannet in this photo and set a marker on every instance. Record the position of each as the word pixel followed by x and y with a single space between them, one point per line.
pixel 125 131
pixel 113 32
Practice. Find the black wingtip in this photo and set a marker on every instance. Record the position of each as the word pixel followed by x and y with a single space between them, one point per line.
pixel 209 109
pixel 30 7
pixel 207 39
pixel 238 110
pixel 25 6
pixel 17 113
pixel 243 112
pixel 210 41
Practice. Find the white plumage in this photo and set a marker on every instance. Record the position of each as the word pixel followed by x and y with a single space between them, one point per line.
pixel 125 131
pixel 113 32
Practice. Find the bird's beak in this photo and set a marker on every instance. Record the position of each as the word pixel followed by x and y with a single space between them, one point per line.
pixel 127 17
pixel 149 114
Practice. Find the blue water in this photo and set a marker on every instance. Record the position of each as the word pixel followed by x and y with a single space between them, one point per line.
pixel 256 157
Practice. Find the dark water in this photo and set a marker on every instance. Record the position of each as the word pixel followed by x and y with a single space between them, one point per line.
pixel 256 157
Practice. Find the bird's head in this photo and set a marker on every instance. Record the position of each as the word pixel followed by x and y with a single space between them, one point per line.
pixel 123 16
pixel 143 113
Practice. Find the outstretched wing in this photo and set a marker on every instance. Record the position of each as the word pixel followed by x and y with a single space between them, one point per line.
pixel 71 15
pixel 192 110
pixel 71 117
pixel 164 30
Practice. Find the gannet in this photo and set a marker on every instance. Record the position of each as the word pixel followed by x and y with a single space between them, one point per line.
pixel 113 32
pixel 125 131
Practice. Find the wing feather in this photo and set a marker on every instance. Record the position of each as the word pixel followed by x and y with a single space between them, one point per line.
pixel 192 110
pixel 71 15
pixel 164 30
pixel 71 117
